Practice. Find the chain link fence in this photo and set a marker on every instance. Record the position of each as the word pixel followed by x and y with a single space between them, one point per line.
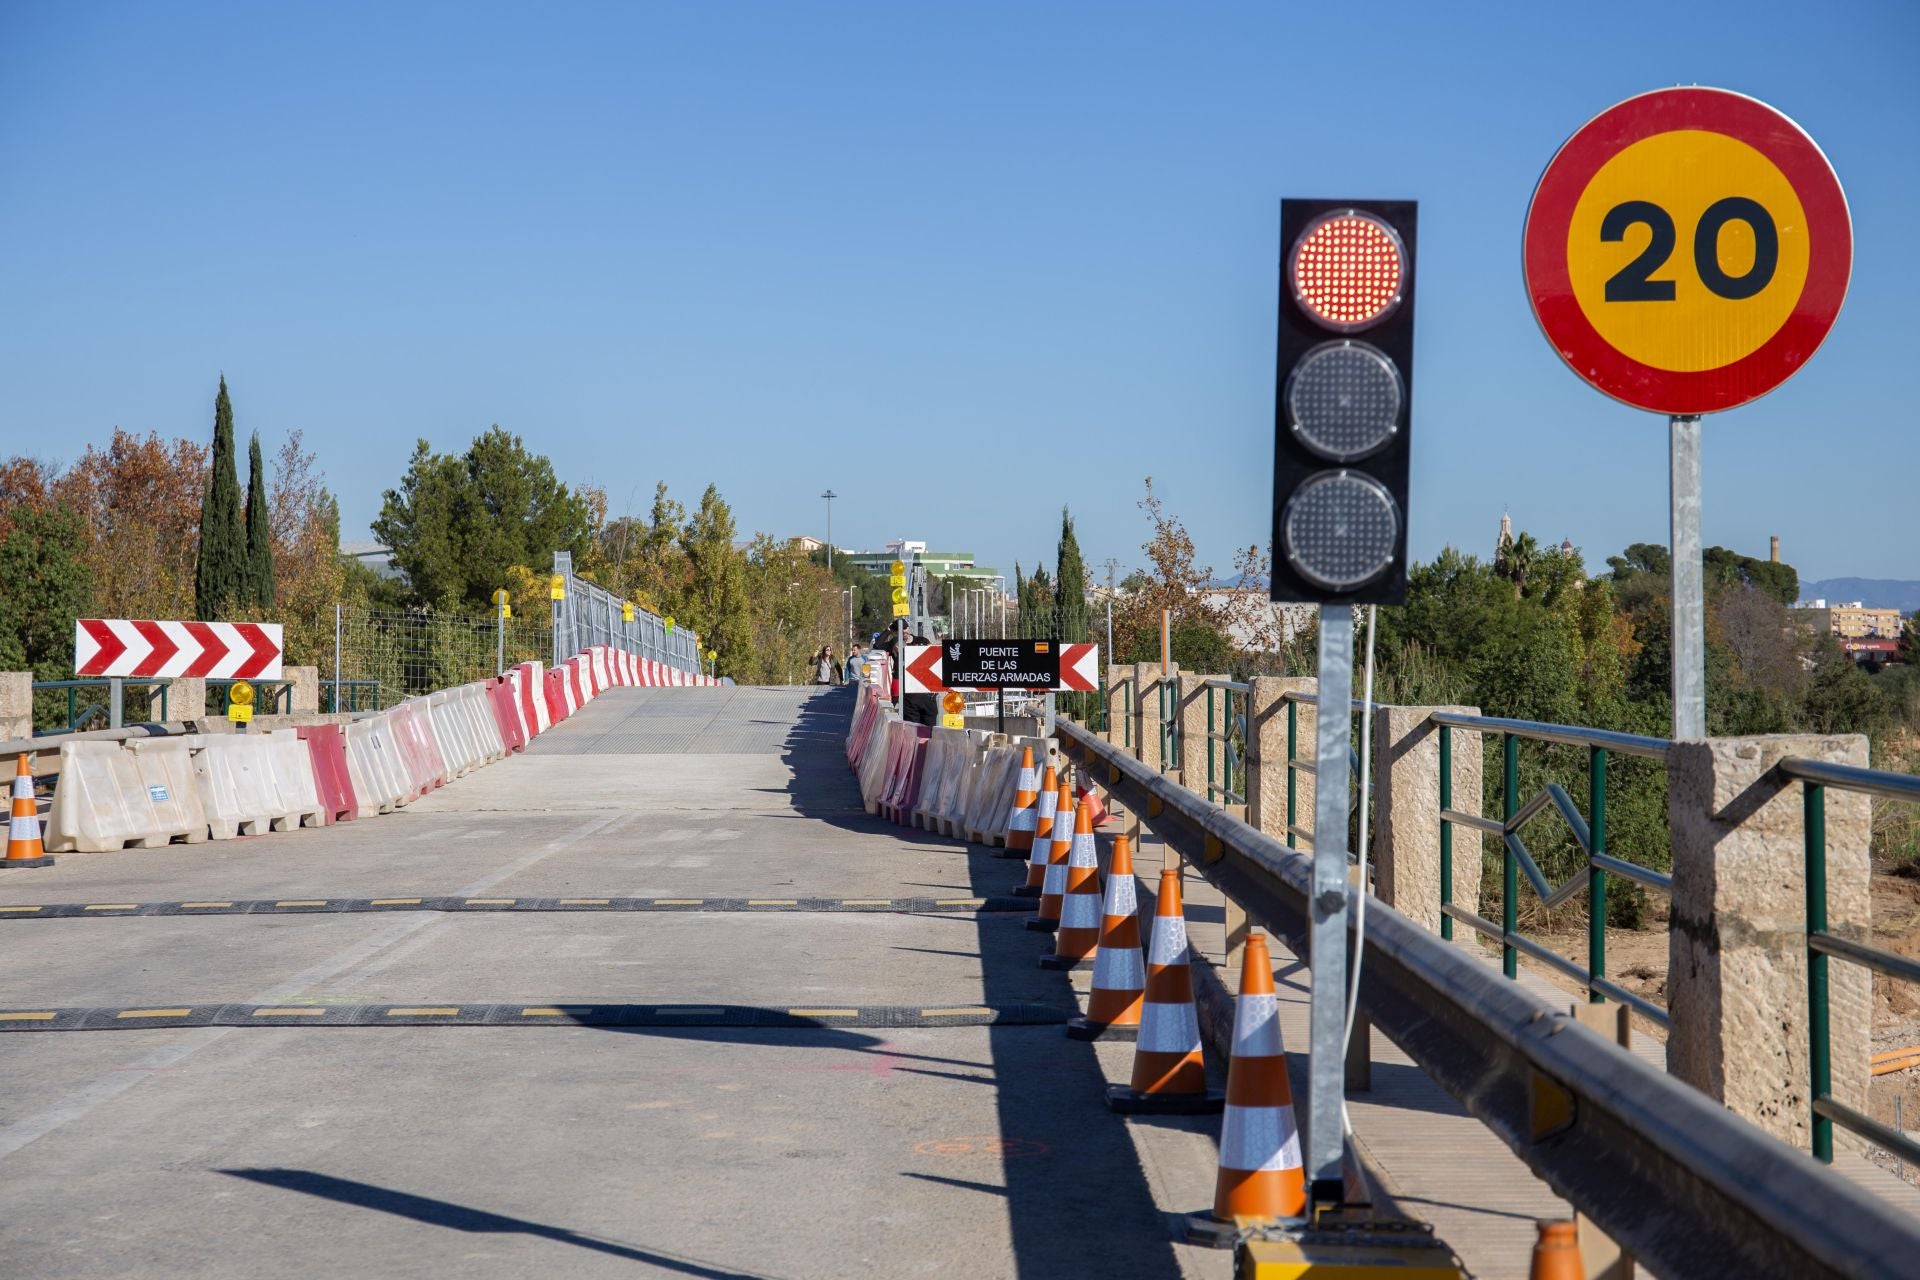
pixel 383 656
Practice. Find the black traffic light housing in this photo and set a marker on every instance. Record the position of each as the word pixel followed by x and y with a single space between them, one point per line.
pixel 1297 574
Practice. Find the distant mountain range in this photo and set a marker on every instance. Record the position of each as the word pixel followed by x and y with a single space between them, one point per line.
pixel 1875 593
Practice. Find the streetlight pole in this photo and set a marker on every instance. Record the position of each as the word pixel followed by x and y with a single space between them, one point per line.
pixel 829 495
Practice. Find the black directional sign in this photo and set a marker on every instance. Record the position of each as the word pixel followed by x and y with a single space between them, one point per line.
pixel 999 664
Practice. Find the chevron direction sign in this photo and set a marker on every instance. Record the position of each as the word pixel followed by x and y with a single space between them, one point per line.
pixel 1002 664
pixel 213 650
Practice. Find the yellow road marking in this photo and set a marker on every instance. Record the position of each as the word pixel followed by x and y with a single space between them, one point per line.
pixel 153 1013
pixel 286 1013
pixel 938 1013
pixel 823 1013
pixel 491 902
pixel 585 902
pixel 114 906
pixel 28 1017
pixel 206 904
pixel 19 908
pixel 391 902
pixel 773 902
pixel 959 902
pixel 703 1012
pixel 302 902
pixel 866 902
pixel 420 1013
pixel 678 902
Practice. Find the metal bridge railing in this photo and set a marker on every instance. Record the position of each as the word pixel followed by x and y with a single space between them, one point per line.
pixel 1815 777
pixel 1589 833
pixel 1226 736
pixel 78 714
pixel 589 614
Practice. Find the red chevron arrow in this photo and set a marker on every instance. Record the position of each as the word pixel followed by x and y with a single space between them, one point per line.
pixel 212 649
pixel 265 650
pixel 111 645
pixel 1071 677
pixel 163 644
pixel 923 668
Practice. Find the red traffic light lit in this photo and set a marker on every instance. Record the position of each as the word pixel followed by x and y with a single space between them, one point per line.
pixel 1348 270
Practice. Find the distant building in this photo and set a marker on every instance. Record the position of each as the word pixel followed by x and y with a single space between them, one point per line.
pixel 373 555
pixel 1248 611
pixel 942 564
pixel 1851 621
pixel 807 543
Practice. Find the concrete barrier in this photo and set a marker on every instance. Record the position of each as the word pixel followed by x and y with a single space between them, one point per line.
pixel 327 750
pixel 108 798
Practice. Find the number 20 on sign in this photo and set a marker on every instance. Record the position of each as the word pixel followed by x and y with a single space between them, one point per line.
pixel 1687 250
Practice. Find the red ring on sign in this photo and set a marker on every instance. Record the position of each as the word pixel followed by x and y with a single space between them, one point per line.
pixel 1829 256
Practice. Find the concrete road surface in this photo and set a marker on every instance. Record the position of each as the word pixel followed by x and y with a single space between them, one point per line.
pixel 821 1151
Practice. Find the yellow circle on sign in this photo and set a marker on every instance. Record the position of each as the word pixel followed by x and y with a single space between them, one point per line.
pixel 899 595
pixel 1681 175
pixel 241 693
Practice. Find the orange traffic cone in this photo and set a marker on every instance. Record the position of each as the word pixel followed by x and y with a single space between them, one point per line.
pixel 1044 810
pixel 1079 931
pixel 1054 887
pixel 1022 819
pixel 23 830
pixel 1119 971
pixel 1261 1175
pixel 1169 1075
pixel 1556 1254
pixel 1100 814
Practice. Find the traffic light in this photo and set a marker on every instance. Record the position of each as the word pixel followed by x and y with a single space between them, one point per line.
pixel 1343 398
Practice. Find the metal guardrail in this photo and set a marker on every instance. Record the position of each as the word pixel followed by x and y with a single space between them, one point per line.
pixel 1589 833
pixel 1815 777
pixel 1674 1177
pixel 78 715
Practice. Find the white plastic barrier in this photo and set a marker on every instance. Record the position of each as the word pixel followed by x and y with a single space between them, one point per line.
pixel 108 798
pixel 478 706
pixel 942 756
pixel 533 684
pixel 873 762
pixel 517 691
pixel 964 750
pixel 237 785
pixel 292 766
pixel 373 766
pixel 450 730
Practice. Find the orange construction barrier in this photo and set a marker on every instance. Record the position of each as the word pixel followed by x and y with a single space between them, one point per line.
pixel 1169 1074
pixel 1119 970
pixel 1556 1254
pixel 1261 1176
pixel 1054 887
pixel 1079 931
pixel 1044 810
pixel 24 848
pixel 1022 818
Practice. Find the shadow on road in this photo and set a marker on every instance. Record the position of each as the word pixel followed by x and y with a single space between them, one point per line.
pixel 459 1217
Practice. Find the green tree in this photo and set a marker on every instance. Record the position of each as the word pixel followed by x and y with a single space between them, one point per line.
pixel 42 562
pixel 259 582
pixel 457 524
pixel 1071 615
pixel 716 601
pixel 221 579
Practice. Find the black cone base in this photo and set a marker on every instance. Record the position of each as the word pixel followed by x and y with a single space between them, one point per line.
pixel 1085 1028
pixel 15 864
pixel 1124 1101
pixel 1026 891
pixel 1048 960
pixel 1043 926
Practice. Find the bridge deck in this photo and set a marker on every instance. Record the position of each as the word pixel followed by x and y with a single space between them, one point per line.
pixel 577 1150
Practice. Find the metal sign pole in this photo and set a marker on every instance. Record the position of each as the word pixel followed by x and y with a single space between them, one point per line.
pixel 1689 587
pixel 1327 943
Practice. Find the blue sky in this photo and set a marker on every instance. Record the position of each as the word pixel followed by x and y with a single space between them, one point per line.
pixel 962 263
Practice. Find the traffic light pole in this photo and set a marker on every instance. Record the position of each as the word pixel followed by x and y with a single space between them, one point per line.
pixel 1327 942
pixel 1689 586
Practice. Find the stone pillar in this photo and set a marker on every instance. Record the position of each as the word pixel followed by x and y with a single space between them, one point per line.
pixel 1406 814
pixel 1267 756
pixel 1191 699
pixel 1119 681
pixel 1146 711
pixel 187 698
pixel 16 705
pixel 1736 946
pixel 306 690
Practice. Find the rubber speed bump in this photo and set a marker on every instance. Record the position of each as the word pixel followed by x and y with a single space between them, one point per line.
pixel 337 906
pixel 526 1014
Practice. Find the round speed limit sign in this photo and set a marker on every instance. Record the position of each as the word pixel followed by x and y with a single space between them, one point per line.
pixel 1687 250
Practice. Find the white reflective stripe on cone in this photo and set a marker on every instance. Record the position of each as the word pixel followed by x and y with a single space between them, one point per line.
pixel 1029 779
pixel 23 828
pixel 1080 911
pixel 1168 1028
pixel 1048 804
pixel 1083 854
pixel 1256 1027
pixel 1119 969
pixel 1023 820
pixel 1259 1139
pixel 22 787
pixel 1120 897
pixel 1055 885
pixel 1168 945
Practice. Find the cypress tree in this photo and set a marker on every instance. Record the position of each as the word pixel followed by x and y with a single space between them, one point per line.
pixel 220 577
pixel 1070 585
pixel 259 532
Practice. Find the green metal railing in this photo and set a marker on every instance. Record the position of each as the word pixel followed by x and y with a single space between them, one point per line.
pixel 270 697
pixel 1127 719
pixel 1226 739
pixel 1589 833
pixel 331 695
pixel 1296 766
pixel 78 715
pixel 1815 777
pixel 1170 724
